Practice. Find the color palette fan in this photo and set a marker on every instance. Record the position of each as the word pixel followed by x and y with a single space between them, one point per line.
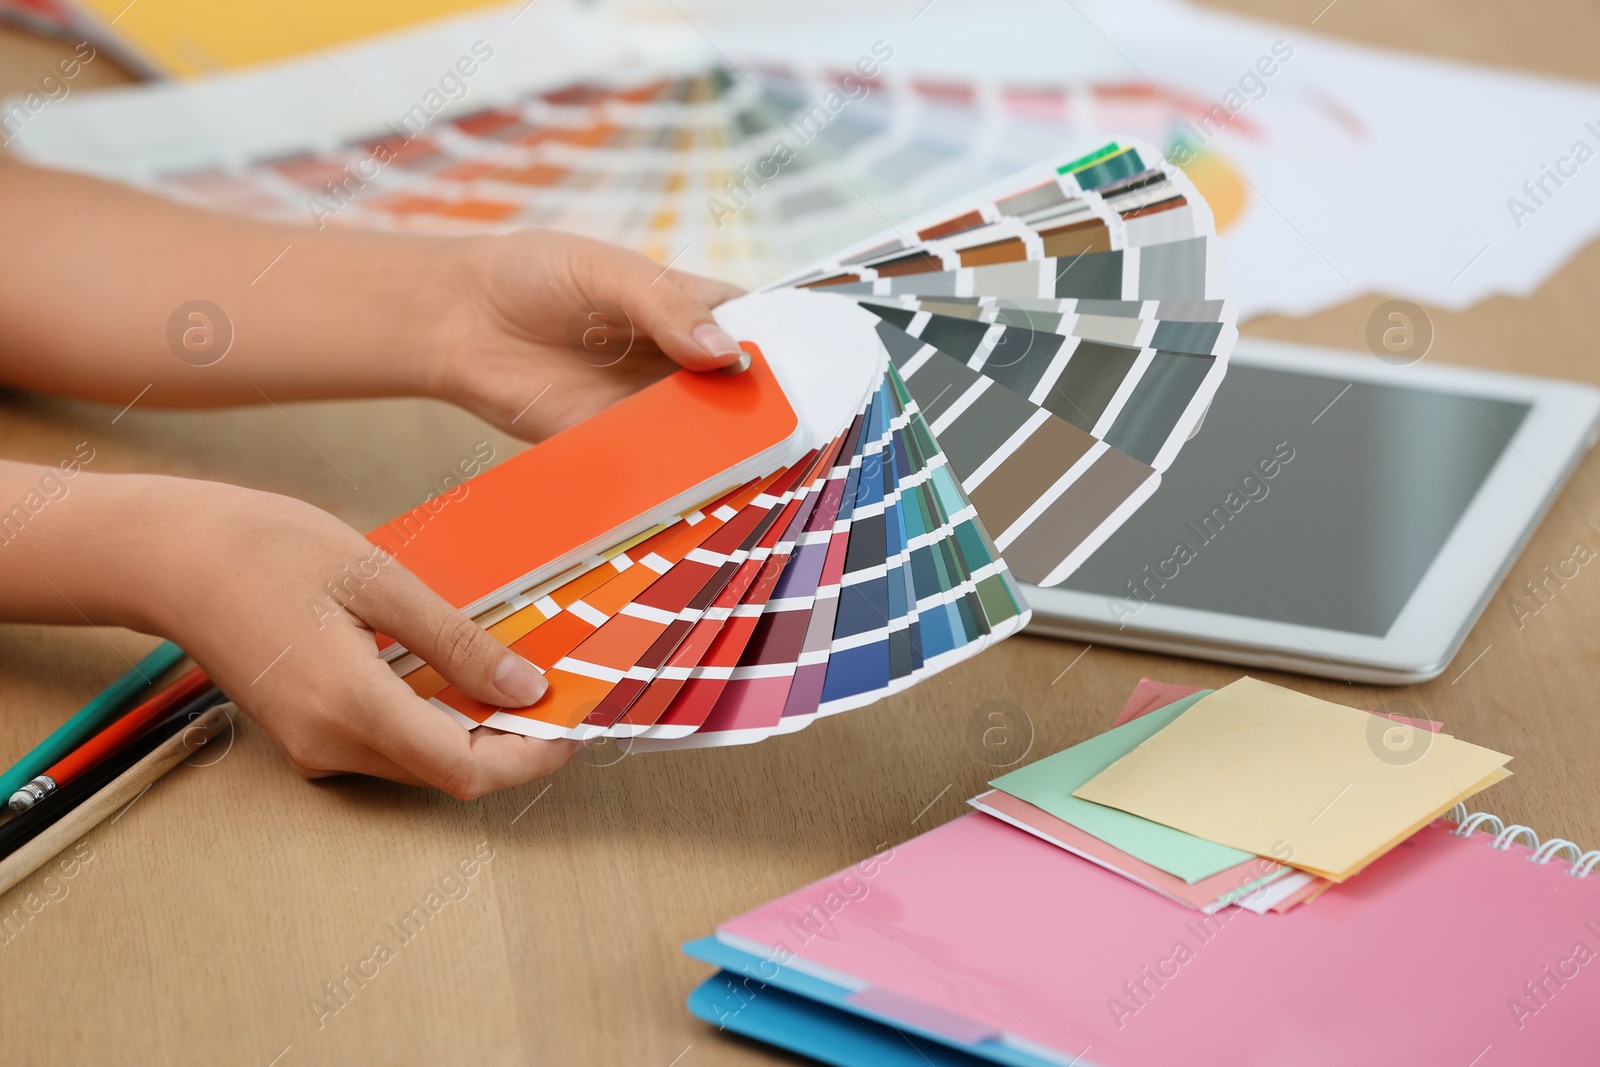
pixel 742 172
pixel 1007 375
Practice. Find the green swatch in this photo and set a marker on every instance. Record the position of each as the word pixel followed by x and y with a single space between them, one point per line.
pixel 1048 784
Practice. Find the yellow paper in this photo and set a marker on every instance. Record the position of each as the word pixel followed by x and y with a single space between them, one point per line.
pixel 1287 776
pixel 188 38
pixel 1498 776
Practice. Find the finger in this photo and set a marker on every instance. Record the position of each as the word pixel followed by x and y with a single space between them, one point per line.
pixel 399 604
pixel 677 319
pixel 709 291
pixel 423 741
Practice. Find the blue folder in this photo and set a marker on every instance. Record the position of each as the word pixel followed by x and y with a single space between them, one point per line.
pixel 823 1033
pixel 754 996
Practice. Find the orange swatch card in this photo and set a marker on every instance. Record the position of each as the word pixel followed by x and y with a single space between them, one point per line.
pixel 640 462
pixel 573 618
pixel 548 600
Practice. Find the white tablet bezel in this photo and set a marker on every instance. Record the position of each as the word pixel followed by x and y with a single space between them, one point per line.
pixel 1558 430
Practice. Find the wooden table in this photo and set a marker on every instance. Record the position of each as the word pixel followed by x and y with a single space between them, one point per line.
pixel 216 908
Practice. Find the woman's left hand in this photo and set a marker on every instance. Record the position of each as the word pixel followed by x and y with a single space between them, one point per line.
pixel 553 327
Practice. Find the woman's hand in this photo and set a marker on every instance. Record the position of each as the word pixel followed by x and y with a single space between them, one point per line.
pixel 549 328
pixel 277 600
pixel 532 330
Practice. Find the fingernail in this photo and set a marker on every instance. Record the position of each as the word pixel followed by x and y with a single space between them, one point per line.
pixel 520 680
pixel 717 342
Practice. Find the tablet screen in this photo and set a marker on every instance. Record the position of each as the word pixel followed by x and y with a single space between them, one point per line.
pixel 1305 499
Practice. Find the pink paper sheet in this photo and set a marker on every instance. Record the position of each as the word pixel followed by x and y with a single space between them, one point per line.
pixel 1149 695
pixel 1199 895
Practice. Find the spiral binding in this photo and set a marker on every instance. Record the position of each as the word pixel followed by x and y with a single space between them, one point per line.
pixel 1505 836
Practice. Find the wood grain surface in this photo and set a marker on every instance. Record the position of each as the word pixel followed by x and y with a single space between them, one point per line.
pixel 208 921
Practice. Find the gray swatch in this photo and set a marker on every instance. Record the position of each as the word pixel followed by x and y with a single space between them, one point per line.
pixel 1158 401
pixel 958 337
pixel 1092 276
pixel 932 283
pixel 1191 310
pixel 1112 309
pixel 900 345
pixel 1019 361
pixel 979 431
pixel 1047 195
pixel 937 383
pixel 1195 338
pixel 1173 271
pixel 1091 378
pixel 874 252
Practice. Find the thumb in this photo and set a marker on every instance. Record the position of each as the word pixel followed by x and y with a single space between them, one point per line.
pixel 458 648
pixel 679 321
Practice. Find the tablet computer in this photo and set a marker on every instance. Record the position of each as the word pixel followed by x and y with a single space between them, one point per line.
pixel 1333 515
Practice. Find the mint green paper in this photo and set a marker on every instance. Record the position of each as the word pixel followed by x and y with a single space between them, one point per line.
pixel 1048 784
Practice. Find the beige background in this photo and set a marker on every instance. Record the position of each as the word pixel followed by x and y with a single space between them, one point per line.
pixel 214 908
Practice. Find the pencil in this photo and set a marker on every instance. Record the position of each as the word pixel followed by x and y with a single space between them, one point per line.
pixel 47 842
pixel 95 714
pixel 109 740
pixel 87 786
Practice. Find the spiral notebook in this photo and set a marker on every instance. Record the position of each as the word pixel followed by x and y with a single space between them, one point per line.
pixel 1462 947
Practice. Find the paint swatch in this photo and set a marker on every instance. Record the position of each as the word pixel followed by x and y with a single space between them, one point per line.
pixel 1060 378
pixel 681 163
pixel 997 432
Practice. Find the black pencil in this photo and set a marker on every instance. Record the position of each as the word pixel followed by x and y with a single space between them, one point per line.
pixel 31 823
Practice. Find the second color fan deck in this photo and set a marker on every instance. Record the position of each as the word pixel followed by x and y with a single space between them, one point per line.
pixel 1022 365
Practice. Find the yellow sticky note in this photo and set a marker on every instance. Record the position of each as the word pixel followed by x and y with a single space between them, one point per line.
pixel 1497 776
pixel 1281 774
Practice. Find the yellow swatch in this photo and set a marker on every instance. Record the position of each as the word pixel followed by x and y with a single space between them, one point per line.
pixel 1310 783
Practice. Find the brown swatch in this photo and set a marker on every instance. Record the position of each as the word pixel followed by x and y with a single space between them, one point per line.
pixel 1078 239
pixel 1039 463
pixel 837 279
pixel 918 262
pixel 951 309
pixel 1008 251
pixel 1156 208
pixel 1075 515
pixel 944 229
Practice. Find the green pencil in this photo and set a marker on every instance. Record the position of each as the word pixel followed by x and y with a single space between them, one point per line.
pixel 110 703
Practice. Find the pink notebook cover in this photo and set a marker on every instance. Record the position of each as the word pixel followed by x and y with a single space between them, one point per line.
pixel 1447 951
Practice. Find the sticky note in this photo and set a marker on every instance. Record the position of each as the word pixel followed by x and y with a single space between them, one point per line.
pixel 1207 895
pixel 1282 774
pixel 1049 784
